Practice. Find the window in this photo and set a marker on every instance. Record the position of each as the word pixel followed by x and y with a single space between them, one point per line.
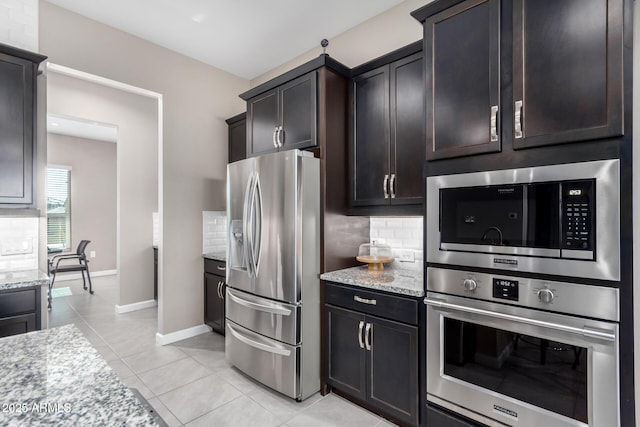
pixel 58 208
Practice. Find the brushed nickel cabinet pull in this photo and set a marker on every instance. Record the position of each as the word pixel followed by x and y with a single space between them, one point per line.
pixel 494 123
pixel 356 298
pixel 385 185
pixel 392 185
pixel 221 268
pixel 275 130
pixel 518 119
pixel 368 330
pixel 360 326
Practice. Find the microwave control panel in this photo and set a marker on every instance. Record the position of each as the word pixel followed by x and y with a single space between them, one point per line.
pixel 578 211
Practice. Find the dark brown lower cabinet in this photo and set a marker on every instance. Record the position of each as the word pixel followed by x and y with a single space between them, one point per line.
pixel 374 360
pixel 214 290
pixel 19 311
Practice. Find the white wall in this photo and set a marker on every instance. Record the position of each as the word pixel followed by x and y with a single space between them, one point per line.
pixel 19 23
pixel 197 98
pixel 93 194
pixel 136 176
pixel 379 35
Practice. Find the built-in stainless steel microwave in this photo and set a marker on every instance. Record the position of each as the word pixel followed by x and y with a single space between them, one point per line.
pixel 559 220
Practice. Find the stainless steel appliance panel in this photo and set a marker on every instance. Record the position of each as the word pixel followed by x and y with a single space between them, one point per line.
pixel 600 340
pixel 277 320
pixel 606 265
pixel 273 363
pixel 561 297
pixel 239 180
pixel 278 244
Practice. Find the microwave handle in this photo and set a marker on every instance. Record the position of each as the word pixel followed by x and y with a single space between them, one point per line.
pixel 604 335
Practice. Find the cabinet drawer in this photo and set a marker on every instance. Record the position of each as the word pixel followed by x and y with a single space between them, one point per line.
pixel 215 267
pixel 17 302
pixel 18 324
pixel 385 305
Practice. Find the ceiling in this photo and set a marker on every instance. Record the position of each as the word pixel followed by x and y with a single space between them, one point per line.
pixel 244 37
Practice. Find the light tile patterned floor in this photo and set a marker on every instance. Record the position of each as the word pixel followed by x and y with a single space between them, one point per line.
pixel 190 382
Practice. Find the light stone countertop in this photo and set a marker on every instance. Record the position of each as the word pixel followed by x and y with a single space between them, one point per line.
pixel 394 280
pixel 217 256
pixel 23 279
pixel 54 377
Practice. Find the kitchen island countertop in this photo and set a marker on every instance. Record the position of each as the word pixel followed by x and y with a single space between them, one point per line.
pixel 391 279
pixel 23 279
pixel 55 377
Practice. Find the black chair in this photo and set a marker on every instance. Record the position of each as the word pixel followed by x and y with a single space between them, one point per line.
pixel 61 267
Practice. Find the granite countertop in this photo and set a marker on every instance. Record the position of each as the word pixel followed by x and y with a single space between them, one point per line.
pixel 23 279
pixel 217 256
pixel 391 279
pixel 55 377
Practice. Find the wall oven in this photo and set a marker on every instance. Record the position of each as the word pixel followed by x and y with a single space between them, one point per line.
pixel 507 350
pixel 557 220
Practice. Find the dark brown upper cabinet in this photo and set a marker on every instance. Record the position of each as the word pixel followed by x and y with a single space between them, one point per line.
pixel 567 71
pixel 561 62
pixel 237 137
pixel 462 87
pixel 283 118
pixel 18 71
pixel 387 149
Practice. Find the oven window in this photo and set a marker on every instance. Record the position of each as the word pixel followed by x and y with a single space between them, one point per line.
pixel 505 215
pixel 547 374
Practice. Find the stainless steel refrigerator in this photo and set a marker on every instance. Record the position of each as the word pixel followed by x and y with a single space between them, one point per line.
pixel 273 266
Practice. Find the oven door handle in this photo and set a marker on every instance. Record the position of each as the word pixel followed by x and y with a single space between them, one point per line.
pixel 585 331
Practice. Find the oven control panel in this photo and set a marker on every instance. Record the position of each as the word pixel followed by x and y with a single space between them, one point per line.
pixel 563 297
pixel 505 289
pixel 578 207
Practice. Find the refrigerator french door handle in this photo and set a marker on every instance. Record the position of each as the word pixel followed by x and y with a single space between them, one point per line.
pixel 272 308
pixel 258 345
pixel 245 226
pixel 256 215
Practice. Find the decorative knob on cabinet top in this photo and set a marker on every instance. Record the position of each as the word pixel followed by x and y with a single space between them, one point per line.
pixel 470 285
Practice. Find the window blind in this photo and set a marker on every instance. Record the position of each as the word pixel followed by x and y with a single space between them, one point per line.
pixel 58 208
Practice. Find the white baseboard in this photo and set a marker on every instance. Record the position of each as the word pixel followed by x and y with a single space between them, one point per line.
pixel 181 335
pixel 136 306
pixel 66 277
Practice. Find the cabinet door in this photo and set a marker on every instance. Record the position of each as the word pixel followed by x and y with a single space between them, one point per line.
pixel 346 362
pixel 370 150
pixel 18 324
pixel 567 70
pixel 298 112
pixel 214 304
pixel 262 118
pixel 16 122
pixel 462 80
pixel 407 130
pixel 393 366
pixel 238 140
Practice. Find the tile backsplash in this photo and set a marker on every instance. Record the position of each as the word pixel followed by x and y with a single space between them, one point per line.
pixel 214 231
pixel 403 234
pixel 18 243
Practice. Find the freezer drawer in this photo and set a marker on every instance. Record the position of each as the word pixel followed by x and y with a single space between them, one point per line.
pixel 270 362
pixel 276 320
